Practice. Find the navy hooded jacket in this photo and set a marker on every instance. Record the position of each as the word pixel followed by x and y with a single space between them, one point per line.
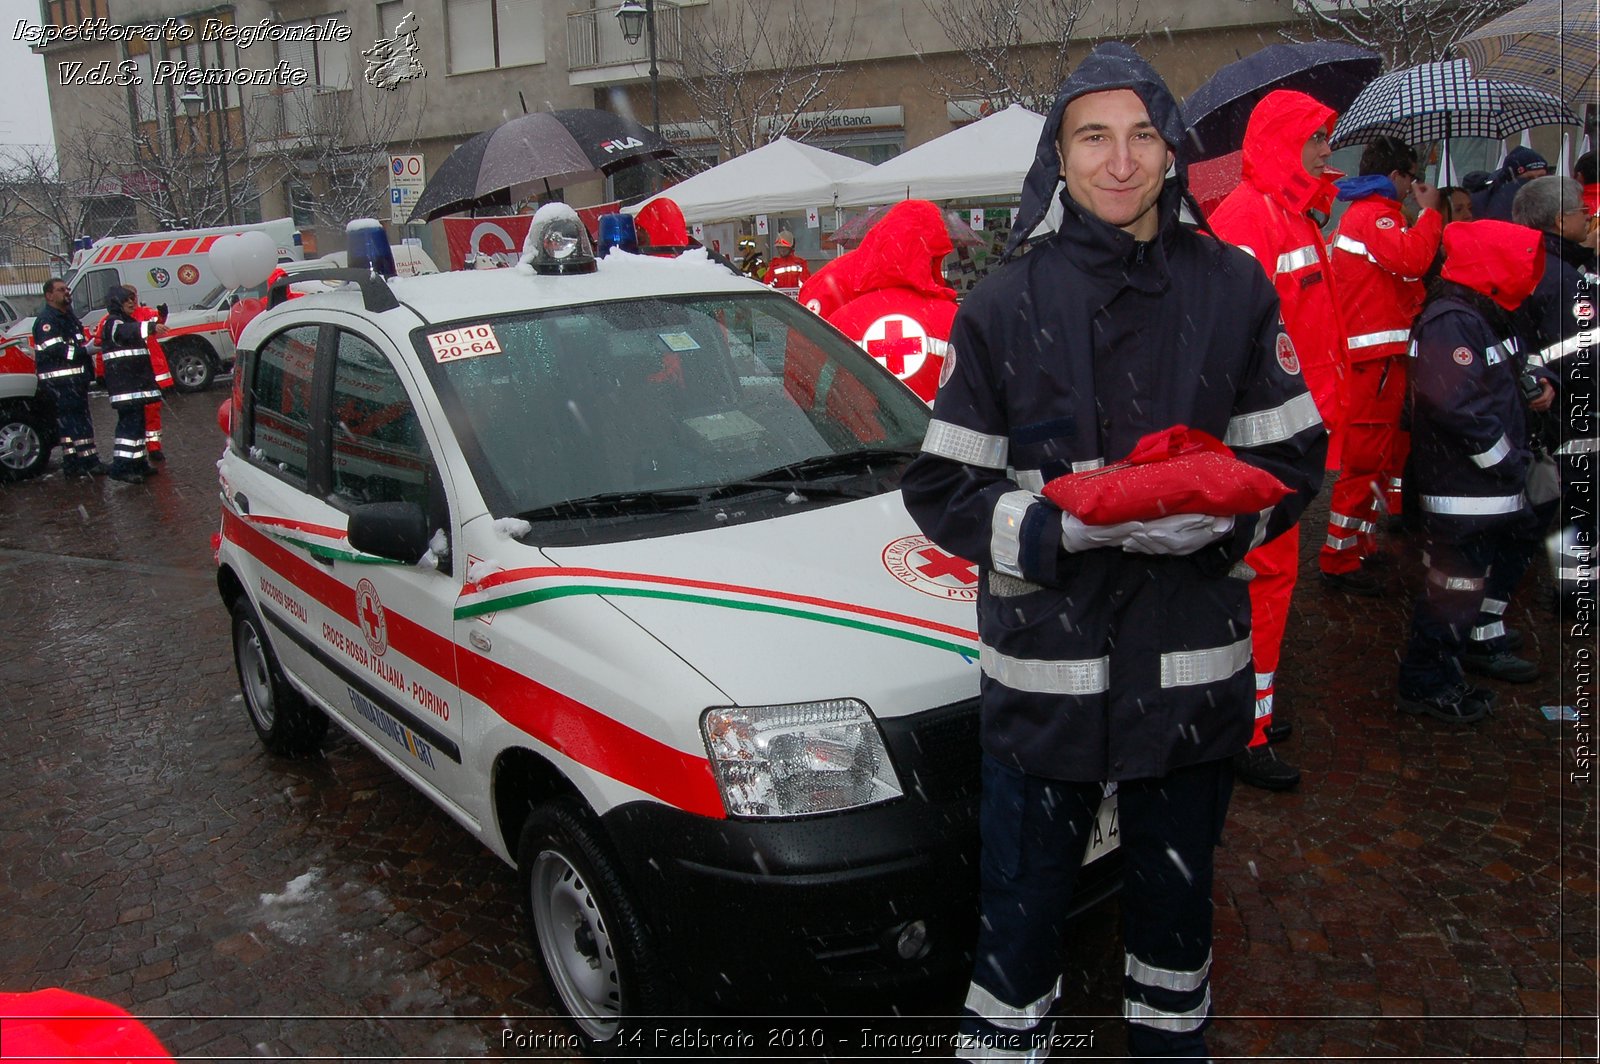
pixel 1103 664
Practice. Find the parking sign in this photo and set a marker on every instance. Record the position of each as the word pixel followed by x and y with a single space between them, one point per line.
pixel 407 176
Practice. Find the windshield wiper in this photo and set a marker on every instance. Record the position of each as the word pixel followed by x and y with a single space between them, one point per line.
pixel 615 502
pixel 832 465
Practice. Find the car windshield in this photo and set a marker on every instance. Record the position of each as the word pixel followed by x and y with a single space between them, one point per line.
pixel 654 405
pixel 211 299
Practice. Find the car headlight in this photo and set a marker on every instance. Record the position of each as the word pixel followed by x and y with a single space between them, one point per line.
pixel 812 757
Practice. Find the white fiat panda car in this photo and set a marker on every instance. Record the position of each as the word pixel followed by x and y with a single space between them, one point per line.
pixel 610 563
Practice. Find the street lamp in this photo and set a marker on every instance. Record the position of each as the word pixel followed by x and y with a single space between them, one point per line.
pixel 192 102
pixel 640 20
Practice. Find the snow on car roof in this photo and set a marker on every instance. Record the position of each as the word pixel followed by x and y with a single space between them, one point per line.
pixel 468 293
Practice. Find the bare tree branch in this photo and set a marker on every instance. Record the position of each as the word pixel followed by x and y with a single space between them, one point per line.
pixel 1404 32
pixel 749 74
pixel 53 191
pixel 1016 51
pixel 339 142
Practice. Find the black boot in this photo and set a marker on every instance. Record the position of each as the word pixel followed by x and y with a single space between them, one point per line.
pixel 1260 767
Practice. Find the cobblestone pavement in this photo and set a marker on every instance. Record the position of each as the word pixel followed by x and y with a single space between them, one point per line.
pixel 1427 891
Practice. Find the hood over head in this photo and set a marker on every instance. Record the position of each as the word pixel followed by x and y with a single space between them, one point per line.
pixel 1359 188
pixel 1500 260
pixel 1274 142
pixel 905 249
pixel 118 295
pixel 1110 66
pixel 663 220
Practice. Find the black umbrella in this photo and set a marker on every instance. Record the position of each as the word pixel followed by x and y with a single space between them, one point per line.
pixel 1217 112
pixel 556 147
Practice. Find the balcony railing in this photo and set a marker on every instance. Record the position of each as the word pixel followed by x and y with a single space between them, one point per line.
pixel 594 39
pixel 294 113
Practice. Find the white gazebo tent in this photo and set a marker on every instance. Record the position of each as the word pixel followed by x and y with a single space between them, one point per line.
pixel 782 177
pixel 989 157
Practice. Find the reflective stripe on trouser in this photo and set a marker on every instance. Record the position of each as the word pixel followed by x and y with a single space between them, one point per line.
pixel 1276 563
pixel 1373 453
pixel 152 427
pixel 1464 570
pixel 72 422
pixel 1034 833
pixel 127 453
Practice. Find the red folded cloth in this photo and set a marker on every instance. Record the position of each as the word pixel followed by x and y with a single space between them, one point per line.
pixel 1176 471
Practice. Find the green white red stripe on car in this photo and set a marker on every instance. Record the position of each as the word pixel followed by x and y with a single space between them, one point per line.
pixel 322 541
pixel 560 721
pixel 521 587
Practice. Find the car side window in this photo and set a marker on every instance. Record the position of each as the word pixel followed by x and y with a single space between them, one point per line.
pixel 280 403
pixel 379 451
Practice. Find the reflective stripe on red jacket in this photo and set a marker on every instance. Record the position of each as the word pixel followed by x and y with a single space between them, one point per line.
pixel 1267 216
pixel 1378 264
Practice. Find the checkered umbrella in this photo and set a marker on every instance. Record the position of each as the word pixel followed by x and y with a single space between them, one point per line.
pixel 1544 44
pixel 1435 101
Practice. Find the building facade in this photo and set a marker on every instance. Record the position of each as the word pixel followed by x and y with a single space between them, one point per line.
pixel 298 128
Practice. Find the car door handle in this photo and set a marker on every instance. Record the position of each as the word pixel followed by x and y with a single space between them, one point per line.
pixel 479 640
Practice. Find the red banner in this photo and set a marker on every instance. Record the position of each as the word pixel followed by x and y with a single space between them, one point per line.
pixel 500 236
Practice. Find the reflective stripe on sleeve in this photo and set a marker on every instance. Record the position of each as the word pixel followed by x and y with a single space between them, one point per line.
pixel 1495 354
pixel 1005 531
pixel 1165 978
pixel 1191 668
pixel 1162 1020
pixel 71 371
pixel 1275 425
pixel 1391 336
pixel 52 342
pixel 1298 259
pixel 1473 506
pixel 1029 480
pixel 1344 521
pixel 1494 455
pixel 1352 245
pixel 1090 676
pixel 965 445
pixel 1010 1017
pixel 1545 356
pixel 1583 445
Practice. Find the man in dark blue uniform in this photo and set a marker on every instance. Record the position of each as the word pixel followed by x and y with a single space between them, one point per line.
pixel 1470 458
pixel 63 362
pixel 1109 653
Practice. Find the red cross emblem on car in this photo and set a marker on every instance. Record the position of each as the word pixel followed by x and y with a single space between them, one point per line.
pixel 897 341
pixel 369 614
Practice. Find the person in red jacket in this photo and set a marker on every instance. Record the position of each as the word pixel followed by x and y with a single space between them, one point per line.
pixel 1378 264
pixel 1276 214
pixel 787 271
pixel 889 294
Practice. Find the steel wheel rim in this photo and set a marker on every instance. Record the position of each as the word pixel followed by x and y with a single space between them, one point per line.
pixel 191 371
pixel 256 679
pixel 19 445
pixel 577 949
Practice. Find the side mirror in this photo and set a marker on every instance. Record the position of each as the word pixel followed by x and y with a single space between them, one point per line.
pixel 394 530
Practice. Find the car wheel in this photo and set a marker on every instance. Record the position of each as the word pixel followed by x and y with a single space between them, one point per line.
pixel 25 444
pixel 192 368
pixel 597 952
pixel 284 721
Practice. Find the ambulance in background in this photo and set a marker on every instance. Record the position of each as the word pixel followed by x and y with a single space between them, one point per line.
pixel 172 268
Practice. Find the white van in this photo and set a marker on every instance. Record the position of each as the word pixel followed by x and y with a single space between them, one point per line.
pixel 172 268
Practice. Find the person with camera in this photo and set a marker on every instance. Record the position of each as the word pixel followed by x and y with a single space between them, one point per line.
pixel 1470 458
